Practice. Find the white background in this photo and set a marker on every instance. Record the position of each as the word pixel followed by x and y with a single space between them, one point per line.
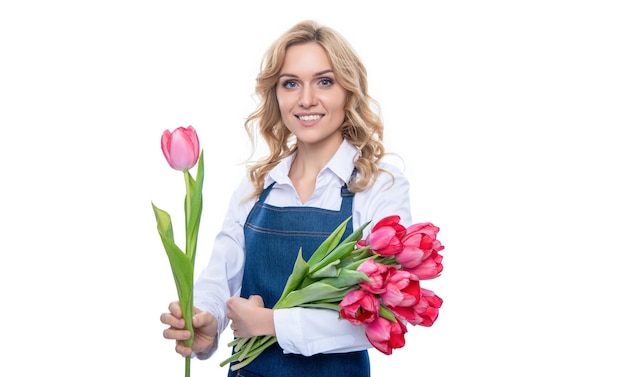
pixel 509 117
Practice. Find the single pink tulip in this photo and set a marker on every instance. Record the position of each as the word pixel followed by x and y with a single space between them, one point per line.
pixel 428 268
pixel 401 288
pixel 410 256
pixel 411 314
pixel 420 241
pixel 386 335
pixel 428 308
pixel 392 221
pixel 386 236
pixel 359 307
pixel 377 274
pixel 385 242
pixel 424 312
pixel 428 229
pixel 181 148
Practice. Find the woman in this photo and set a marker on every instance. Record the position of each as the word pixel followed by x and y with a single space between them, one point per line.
pixel 324 165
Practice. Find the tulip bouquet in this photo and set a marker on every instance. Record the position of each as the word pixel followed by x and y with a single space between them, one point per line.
pixel 373 282
pixel 182 151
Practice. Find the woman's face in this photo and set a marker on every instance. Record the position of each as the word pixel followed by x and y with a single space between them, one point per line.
pixel 311 102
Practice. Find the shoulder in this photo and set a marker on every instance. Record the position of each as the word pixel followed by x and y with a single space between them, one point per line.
pixel 390 175
pixel 241 200
pixel 388 195
pixel 244 187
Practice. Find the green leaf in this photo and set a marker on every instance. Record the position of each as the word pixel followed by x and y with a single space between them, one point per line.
pixel 193 207
pixel 386 313
pixel 317 291
pixel 327 271
pixel 357 234
pixel 182 268
pixel 182 271
pixel 338 253
pixel 346 278
pixel 164 222
pixel 300 269
pixel 353 261
pixel 329 243
pixel 321 305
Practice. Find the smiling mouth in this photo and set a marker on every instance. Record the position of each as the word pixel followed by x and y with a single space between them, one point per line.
pixel 309 118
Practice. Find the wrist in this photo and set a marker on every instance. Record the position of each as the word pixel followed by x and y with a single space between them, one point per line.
pixel 266 322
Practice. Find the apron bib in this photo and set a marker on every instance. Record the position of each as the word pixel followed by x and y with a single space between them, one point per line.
pixel 273 237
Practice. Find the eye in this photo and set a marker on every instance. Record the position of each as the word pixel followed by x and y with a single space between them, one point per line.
pixel 326 82
pixel 289 84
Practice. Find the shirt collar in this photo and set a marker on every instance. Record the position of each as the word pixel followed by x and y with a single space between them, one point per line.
pixel 341 164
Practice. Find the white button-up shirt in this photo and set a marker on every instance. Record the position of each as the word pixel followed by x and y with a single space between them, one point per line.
pixel 299 330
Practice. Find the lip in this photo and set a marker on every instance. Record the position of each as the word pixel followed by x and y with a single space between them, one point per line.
pixel 308 123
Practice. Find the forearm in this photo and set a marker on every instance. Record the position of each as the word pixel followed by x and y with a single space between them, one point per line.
pixel 312 331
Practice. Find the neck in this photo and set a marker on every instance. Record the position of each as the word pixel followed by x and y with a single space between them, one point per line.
pixel 311 159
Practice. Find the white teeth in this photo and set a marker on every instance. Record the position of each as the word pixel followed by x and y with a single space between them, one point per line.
pixel 309 118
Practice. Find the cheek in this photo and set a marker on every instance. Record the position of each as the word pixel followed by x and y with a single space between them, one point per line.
pixel 337 102
pixel 284 104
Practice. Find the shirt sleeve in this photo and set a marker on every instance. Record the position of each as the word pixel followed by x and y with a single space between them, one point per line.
pixel 312 331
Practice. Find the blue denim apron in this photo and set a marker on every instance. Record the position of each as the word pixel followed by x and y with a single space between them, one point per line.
pixel 273 237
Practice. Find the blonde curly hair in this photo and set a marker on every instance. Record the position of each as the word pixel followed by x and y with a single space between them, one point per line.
pixel 362 126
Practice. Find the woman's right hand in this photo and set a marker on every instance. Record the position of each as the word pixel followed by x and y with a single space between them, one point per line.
pixel 204 324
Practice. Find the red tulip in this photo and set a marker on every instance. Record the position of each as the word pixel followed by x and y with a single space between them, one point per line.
pixel 428 268
pixel 428 307
pixel 420 241
pixel 181 148
pixel 386 335
pixel 420 229
pixel 359 307
pixel 392 221
pixel 386 236
pixel 377 274
pixel 401 288
pixel 424 312
pixel 407 313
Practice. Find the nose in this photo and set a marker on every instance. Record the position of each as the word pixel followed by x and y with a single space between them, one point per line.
pixel 307 97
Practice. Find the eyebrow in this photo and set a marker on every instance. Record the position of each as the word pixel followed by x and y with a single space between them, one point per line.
pixel 322 73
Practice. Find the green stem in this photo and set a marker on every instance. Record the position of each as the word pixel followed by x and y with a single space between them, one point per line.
pixel 187 366
pixel 253 354
pixel 188 211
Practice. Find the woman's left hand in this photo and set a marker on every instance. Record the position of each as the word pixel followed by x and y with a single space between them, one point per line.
pixel 249 317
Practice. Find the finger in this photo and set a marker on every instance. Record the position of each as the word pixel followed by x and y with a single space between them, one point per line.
pixel 257 300
pixel 169 319
pixel 200 318
pixel 182 350
pixel 197 321
pixel 233 301
pixel 179 335
pixel 174 308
